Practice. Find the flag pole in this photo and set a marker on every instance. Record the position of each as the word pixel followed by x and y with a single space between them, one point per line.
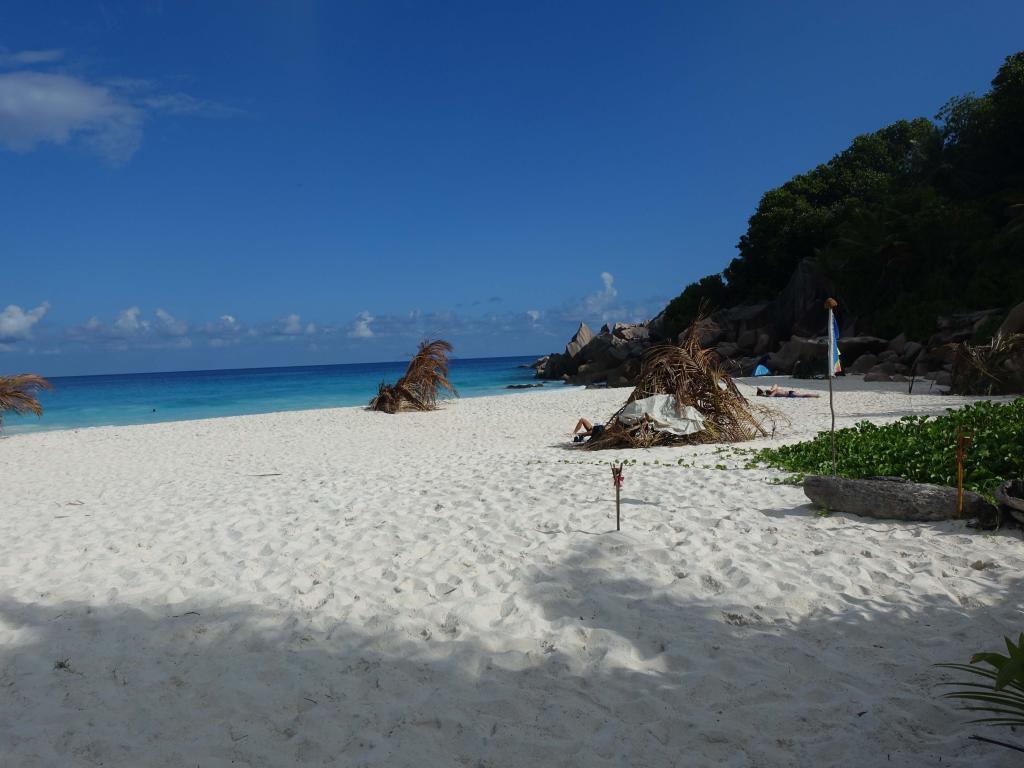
pixel 833 368
pixel 832 408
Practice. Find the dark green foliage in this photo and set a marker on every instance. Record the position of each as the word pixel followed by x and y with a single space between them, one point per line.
pixel 707 294
pixel 916 219
pixel 1002 693
pixel 918 448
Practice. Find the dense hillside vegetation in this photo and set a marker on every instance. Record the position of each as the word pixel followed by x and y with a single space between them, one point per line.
pixel 919 218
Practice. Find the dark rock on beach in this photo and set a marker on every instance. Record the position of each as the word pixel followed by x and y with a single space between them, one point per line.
pixel 1014 322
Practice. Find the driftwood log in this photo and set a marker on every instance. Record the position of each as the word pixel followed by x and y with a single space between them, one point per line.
pixel 892 498
pixel 1011 496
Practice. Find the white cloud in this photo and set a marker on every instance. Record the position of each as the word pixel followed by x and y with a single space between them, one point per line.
pixel 183 104
pixel 107 116
pixel 222 332
pixel 169 325
pixel 289 325
pixel 159 329
pixel 601 305
pixel 361 328
pixel 16 323
pixel 38 107
pixel 598 303
pixel 129 322
pixel 27 58
pixel 225 324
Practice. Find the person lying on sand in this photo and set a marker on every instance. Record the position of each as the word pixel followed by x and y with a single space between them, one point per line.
pixel 774 391
pixel 588 430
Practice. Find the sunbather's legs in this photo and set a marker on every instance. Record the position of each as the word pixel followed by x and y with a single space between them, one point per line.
pixel 583 424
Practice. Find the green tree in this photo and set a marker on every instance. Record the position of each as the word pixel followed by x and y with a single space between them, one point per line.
pixel 709 292
pixel 915 219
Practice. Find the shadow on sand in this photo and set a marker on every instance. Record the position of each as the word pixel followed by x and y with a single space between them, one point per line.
pixel 626 673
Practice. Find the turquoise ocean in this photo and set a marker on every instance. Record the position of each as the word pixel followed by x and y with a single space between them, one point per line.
pixel 146 398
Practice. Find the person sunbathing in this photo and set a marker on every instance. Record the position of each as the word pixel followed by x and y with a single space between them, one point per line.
pixel 585 429
pixel 774 391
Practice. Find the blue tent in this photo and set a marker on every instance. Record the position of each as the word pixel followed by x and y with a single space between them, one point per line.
pixel 762 371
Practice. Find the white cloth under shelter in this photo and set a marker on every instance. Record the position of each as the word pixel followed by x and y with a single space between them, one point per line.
pixel 664 414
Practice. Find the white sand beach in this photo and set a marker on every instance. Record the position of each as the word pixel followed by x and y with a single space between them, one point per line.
pixel 340 587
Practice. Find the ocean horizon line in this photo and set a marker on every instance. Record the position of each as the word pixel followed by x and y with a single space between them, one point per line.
pixel 254 368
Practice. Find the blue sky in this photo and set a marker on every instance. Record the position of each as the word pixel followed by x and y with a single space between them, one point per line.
pixel 195 185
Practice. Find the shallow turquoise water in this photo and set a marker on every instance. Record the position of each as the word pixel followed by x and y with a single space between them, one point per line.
pixel 144 398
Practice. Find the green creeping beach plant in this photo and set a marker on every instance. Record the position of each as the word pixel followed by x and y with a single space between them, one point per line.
pixel 919 448
pixel 996 689
pixel 797 479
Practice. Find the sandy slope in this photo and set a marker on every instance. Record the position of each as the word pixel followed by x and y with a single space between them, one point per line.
pixel 345 588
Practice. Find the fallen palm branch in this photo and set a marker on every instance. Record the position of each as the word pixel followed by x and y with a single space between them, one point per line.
pixel 424 383
pixel 996 368
pixel 694 377
pixel 19 394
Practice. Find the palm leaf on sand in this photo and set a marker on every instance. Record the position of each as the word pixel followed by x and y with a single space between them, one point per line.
pixel 18 394
pixel 695 377
pixel 424 383
pixel 996 690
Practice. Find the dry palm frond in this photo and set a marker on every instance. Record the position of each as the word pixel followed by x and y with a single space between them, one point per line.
pixel 424 383
pixel 694 376
pixel 996 368
pixel 18 394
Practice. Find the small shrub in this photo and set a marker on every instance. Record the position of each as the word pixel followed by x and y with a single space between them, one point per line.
pixel 919 448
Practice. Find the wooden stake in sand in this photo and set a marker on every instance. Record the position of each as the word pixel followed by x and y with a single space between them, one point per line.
pixel 963 442
pixel 834 367
pixel 617 481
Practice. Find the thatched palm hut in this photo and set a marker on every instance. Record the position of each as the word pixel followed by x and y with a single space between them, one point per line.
pixel 695 377
pixel 18 394
pixel 424 383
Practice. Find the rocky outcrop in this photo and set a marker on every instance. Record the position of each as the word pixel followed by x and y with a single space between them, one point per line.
pixel 797 348
pixel 952 329
pixel 538 365
pixel 741 335
pixel 863 364
pixel 798 309
pixel 580 339
pixel 611 356
pixel 557 365
pixel 757 329
pixel 787 334
pixel 1014 322
pixel 853 347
